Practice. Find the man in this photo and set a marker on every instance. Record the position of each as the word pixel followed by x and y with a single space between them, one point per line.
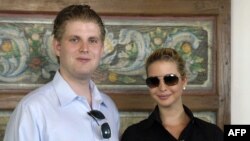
pixel 70 107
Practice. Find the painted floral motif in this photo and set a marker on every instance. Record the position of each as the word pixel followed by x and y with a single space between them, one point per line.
pixel 26 55
pixel 158 37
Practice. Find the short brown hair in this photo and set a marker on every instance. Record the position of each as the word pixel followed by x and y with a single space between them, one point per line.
pixel 76 12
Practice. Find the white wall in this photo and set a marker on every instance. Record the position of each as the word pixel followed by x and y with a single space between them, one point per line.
pixel 240 82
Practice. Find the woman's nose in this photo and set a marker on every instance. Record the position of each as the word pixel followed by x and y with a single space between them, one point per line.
pixel 162 85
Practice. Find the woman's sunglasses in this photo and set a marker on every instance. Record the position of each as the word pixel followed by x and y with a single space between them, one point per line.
pixel 169 79
pixel 98 116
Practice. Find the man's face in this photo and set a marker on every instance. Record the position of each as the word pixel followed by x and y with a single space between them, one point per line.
pixel 80 49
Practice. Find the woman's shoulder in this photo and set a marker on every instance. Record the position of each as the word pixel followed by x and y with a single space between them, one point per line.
pixel 208 126
pixel 134 131
pixel 138 126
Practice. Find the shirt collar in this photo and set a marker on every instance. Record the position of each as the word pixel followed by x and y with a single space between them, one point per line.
pixel 97 96
pixel 66 95
pixel 154 117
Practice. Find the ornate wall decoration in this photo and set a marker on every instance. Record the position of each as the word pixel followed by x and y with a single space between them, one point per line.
pixel 27 60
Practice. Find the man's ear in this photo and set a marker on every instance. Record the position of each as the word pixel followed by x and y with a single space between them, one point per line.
pixel 102 51
pixel 56 47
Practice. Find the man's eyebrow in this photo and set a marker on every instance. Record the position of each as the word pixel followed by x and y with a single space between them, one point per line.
pixel 74 35
pixel 94 37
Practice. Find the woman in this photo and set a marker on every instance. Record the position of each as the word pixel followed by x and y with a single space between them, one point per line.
pixel 170 120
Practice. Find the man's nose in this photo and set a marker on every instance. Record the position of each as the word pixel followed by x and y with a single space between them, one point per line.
pixel 84 47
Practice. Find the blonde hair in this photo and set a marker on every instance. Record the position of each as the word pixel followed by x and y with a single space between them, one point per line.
pixel 168 55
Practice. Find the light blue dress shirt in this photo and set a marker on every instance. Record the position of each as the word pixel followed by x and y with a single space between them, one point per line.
pixel 54 112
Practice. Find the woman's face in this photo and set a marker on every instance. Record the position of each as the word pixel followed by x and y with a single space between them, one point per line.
pixel 164 95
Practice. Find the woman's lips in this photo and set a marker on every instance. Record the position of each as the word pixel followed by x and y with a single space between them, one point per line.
pixel 163 97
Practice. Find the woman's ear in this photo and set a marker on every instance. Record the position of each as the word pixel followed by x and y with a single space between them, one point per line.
pixel 184 82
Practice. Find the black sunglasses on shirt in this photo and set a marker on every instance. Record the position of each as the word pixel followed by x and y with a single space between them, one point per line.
pixel 105 128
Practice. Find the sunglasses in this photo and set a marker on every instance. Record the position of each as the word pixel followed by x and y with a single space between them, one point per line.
pixel 169 79
pixel 105 129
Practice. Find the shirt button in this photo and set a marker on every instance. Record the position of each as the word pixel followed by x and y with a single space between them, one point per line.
pixel 79 98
